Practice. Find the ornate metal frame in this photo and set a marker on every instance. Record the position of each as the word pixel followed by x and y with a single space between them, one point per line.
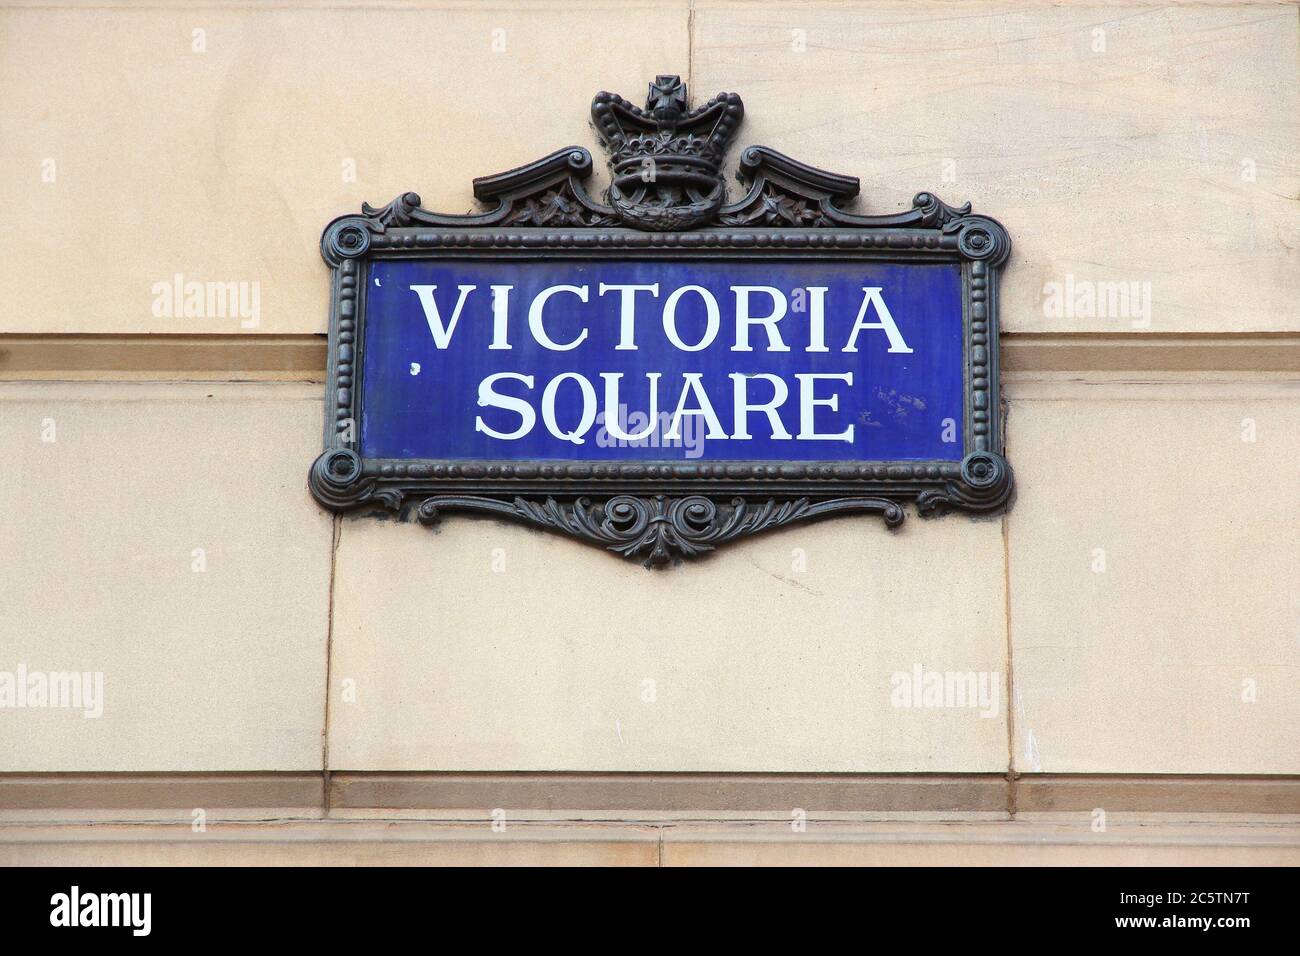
pixel 663 510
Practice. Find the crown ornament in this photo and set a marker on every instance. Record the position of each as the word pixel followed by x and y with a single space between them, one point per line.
pixel 666 161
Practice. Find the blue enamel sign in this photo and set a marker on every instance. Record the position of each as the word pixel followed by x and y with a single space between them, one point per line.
pixel 555 359
pixel 668 364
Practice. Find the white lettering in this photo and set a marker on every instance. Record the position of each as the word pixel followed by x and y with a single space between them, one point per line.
pixel 713 318
pixel 500 316
pixel 808 406
pixel 873 296
pixel 780 392
pixel 817 319
pixel 744 320
pixel 704 408
pixel 441 334
pixel 612 423
pixel 627 311
pixel 487 396
pixel 588 416
pixel 535 316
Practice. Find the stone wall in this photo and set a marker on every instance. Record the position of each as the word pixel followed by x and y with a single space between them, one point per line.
pixel 1138 605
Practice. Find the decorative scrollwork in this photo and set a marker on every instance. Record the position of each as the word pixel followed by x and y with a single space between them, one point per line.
pixel 556 207
pixel 935 212
pixel 346 238
pixel 985 485
pixel 777 207
pixel 662 527
pixel 349 237
pixel 980 238
pixel 785 192
pixel 338 482
pixel 396 213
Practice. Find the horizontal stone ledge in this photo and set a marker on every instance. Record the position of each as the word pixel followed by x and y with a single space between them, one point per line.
pixel 1047 793
pixel 128 357
pixel 1027 352
pixel 639 795
pixel 328 843
pixel 148 791
pixel 424 842
pixel 702 793
pixel 220 357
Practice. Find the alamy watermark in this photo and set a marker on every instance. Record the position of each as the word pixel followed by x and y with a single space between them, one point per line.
pixel 921 688
pixel 70 690
pixel 638 430
pixel 181 298
pixel 75 908
pixel 1086 299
